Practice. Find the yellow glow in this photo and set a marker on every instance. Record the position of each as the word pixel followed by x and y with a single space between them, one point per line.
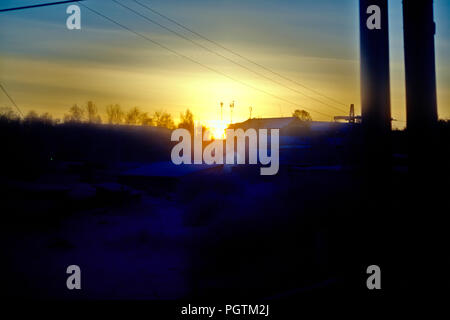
pixel 216 128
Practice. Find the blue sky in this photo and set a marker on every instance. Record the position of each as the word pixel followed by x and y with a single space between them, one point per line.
pixel 48 68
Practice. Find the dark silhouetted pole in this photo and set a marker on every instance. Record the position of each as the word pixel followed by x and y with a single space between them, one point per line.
pixel 375 92
pixel 427 165
pixel 420 70
pixel 376 126
pixel 351 115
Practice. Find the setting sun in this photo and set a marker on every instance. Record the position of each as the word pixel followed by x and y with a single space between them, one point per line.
pixel 216 128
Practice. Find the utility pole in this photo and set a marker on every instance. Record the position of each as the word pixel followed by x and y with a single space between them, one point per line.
pixel 376 129
pixel 426 166
pixel 231 111
pixel 420 78
pixel 221 114
pixel 375 84
pixel 250 108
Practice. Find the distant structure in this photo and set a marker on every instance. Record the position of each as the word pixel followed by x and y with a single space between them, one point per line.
pixel 288 125
pixel 351 118
pixel 250 109
pixel 231 111
pixel 221 113
pixel 266 123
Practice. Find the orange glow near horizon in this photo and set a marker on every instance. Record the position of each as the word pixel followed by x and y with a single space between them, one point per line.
pixel 216 128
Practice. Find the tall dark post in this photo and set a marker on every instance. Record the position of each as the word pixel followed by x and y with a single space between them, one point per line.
pixel 376 126
pixel 420 70
pixel 427 161
pixel 375 92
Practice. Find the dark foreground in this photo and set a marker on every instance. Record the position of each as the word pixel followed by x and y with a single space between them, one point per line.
pixel 221 234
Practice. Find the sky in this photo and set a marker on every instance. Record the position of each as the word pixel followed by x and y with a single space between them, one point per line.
pixel 47 68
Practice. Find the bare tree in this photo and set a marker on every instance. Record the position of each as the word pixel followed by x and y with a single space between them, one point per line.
pixel 46 118
pixel 76 114
pixel 92 113
pixel 31 116
pixel 8 114
pixel 302 115
pixel 114 114
pixel 145 120
pixel 163 119
pixel 187 120
pixel 133 116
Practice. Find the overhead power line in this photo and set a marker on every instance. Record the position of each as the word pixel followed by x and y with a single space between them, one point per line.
pixel 11 99
pixel 238 54
pixel 199 63
pixel 224 57
pixel 39 5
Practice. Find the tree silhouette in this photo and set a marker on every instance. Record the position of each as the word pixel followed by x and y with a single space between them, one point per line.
pixel 302 115
pixel 92 113
pixel 114 114
pixel 76 114
pixel 8 114
pixel 31 116
pixel 187 120
pixel 163 119
pixel 46 118
pixel 145 120
pixel 133 116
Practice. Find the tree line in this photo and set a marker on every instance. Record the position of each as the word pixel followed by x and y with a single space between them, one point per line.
pixel 115 115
